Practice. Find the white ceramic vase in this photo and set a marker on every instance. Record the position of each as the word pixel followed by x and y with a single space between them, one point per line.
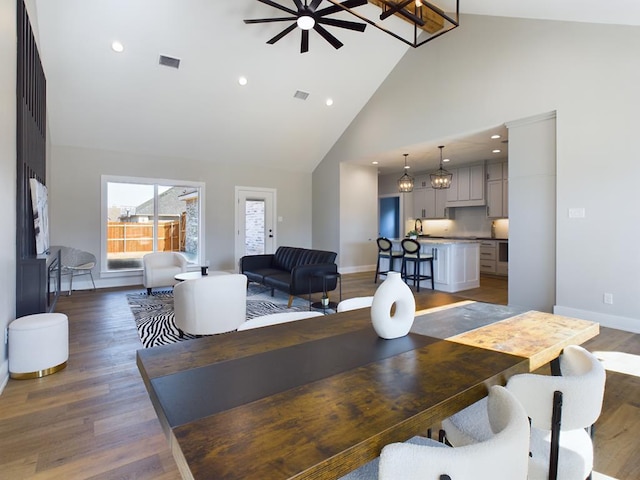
pixel 393 291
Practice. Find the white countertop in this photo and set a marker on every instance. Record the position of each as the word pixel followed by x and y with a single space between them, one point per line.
pixel 438 241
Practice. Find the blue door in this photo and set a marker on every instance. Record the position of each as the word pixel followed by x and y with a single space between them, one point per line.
pixel 389 217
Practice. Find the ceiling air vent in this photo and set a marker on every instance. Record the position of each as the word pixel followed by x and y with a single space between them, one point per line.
pixel 169 61
pixel 300 95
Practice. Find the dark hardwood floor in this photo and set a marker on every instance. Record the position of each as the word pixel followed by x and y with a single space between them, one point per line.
pixel 94 419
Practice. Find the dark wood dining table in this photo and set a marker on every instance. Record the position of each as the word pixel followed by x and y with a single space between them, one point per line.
pixel 316 398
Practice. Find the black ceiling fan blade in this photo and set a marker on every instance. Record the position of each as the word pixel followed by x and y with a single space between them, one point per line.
pixel 304 42
pixel 314 4
pixel 286 31
pixel 327 36
pixel 268 20
pixel 336 8
pixel 299 5
pixel 334 22
pixel 278 6
pixel 393 8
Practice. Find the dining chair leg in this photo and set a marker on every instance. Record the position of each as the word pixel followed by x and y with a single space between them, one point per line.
pixel 433 282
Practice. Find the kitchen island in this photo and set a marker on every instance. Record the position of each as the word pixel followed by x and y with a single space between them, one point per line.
pixel 456 262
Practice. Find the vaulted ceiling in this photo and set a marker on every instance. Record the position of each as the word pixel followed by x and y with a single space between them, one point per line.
pixel 100 99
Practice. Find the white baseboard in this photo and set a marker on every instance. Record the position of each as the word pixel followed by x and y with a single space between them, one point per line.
pixel 358 269
pixel 4 375
pixel 612 321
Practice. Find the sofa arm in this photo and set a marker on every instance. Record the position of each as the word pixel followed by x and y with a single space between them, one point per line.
pixel 304 279
pixel 250 263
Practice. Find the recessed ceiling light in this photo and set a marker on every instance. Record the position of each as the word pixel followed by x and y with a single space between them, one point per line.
pixel 329 102
pixel 445 160
pixel 495 136
pixel 117 47
pixel 374 163
pixel 243 81
pixel 496 151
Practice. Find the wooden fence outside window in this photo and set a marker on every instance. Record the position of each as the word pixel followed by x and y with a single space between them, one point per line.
pixel 126 237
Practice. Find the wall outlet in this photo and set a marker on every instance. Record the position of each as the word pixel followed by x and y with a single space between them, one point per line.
pixel 608 298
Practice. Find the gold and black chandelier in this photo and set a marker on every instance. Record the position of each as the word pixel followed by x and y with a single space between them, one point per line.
pixel 405 182
pixel 441 179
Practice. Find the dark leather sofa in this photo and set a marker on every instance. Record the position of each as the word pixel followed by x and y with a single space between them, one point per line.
pixel 296 271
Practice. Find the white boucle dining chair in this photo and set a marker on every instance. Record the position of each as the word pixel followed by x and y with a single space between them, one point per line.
pixel 277 318
pixel 561 408
pixel 354 303
pixel 502 456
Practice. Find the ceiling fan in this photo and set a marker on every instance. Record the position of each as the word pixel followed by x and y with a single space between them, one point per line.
pixel 308 17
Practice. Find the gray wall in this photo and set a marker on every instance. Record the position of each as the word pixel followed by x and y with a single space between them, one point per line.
pixel 75 199
pixel 495 70
pixel 7 175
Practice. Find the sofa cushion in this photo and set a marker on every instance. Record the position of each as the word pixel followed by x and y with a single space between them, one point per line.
pixel 279 281
pixel 260 274
pixel 286 258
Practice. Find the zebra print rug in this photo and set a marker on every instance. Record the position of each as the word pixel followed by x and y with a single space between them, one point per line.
pixel 154 313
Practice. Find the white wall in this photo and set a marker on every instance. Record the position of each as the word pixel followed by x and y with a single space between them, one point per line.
pixel 75 199
pixel 494 70
pixel 7 176
pixel 358 217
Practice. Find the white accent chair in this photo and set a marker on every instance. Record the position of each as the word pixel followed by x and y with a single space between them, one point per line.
pixel 211 304
pixel 276 318
pixel 160 268
pixel 502 456
pixel 559 421
pixel 354 303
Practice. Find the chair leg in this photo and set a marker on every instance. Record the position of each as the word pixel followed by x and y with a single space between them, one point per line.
pixel 433 282
pixel 556 420
pixel 94 283
pixel 290 301
pixel 148 291
pixel 70 284
pixel 416 275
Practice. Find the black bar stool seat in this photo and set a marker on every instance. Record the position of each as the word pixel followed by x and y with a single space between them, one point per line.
pixel 411 253
pixel 384 251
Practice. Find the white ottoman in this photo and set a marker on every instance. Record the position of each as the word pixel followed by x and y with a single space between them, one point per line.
pixel 38 345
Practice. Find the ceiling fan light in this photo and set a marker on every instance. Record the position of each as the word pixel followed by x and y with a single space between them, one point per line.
pixel 306 22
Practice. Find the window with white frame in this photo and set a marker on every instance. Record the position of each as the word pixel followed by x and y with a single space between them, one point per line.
pixel 142 215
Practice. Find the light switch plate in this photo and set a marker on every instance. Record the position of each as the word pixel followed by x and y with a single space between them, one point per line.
pixel 577 213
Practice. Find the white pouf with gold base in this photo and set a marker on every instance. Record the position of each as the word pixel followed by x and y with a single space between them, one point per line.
pixel 38 345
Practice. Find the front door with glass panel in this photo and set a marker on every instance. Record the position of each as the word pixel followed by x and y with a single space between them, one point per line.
pixel 255 224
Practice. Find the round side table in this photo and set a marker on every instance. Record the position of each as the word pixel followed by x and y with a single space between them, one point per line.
pixel 325 278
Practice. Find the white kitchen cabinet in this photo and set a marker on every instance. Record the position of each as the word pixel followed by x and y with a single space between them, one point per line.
pixel 441 261
pixel 467 187
pixel 455 264
pixel 497 190
pixel 430 203
pixel 488 256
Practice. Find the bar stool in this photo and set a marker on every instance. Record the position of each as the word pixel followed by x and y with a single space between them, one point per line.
pixel 411 250
pixel 384 251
